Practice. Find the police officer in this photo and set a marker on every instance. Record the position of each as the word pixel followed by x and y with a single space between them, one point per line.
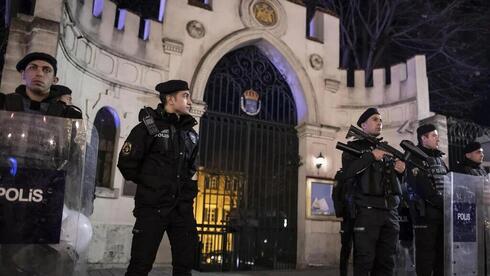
pixel 346 237
pixel 38 71
pixel 376 198
pixel 38 95
pixel 472 160
pixel 159 155
pixel 429 218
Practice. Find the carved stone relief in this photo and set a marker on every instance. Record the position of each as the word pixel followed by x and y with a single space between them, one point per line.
pixel 316 61
pixel 196 29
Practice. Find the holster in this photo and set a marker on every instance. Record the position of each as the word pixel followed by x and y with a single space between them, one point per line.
pixel 351 209
pixel 417 208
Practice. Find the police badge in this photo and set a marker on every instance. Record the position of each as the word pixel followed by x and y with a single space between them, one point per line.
pixel 126 148
pixel 250 103
pixel 415 171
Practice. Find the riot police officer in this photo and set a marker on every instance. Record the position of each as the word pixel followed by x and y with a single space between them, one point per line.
pixel 376 200
pixel 428 187
pixel 38 94
pixel 159 155
pixel 472 160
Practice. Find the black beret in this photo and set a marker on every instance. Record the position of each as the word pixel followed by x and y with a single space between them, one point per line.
pixel 22 64
pixel 60 90
pixel 471 147
pixel 423 129
pixel 171 86
pixel 368 113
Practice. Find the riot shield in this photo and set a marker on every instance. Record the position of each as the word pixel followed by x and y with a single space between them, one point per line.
pixel 43 228
pixel 464 224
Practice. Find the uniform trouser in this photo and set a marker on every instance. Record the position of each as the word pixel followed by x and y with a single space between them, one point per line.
pixel 148 233
pixel 375 240
pixel 346 236
pixel 429 249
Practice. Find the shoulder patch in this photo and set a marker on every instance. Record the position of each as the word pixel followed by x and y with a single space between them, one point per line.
pixel 415 171
pixel 126 148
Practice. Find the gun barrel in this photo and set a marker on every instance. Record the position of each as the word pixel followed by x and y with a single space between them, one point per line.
pixel 346 148
pixel 409 146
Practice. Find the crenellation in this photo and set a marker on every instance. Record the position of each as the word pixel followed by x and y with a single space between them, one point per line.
pixel 107 67
pixel 403 86
pixel 125 42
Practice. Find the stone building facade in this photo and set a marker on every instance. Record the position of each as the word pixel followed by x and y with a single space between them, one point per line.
pixel 112 60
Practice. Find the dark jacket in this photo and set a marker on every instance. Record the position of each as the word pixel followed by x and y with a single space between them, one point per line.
pixel 20 102
pixel 162 165
pixel 429 186
pixel 377 183
pixel 469 167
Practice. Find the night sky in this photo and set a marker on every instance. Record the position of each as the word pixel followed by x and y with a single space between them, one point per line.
pixel 453 34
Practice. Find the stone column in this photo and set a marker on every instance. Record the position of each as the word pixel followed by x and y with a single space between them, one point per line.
pixel 318 241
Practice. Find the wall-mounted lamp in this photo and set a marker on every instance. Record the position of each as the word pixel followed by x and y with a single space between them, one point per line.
pixel 320 160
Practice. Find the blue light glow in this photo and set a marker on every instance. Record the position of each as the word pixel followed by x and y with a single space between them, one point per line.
pixel 161 12
pixel 312 27
pixel 121 19
pixel 98 7
pixel 146 34
pixel 117 121
pixel 13 166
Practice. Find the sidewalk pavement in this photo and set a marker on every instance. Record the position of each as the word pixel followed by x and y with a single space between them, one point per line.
pixel 167 272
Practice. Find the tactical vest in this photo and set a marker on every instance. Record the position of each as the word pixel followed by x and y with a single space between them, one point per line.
pixel 17 103
pixel 437 170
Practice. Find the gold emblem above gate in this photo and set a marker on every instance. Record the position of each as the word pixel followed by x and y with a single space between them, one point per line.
pixel 265 13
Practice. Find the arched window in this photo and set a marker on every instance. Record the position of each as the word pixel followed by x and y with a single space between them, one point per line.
pixel 106 123
pixel 97 8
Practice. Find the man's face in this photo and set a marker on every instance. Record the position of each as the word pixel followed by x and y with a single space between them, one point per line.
pixel 431 140
pixel 38 76
pixel 66 99
pixel 476 156
pixel 180 102
pixel 373 125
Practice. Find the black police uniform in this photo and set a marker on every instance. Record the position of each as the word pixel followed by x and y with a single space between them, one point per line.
pixel 429 215
pixel 342 197
pixel 376 223
pixel 346 240
pixel 162 166
pixel 470 167
pixel 20 102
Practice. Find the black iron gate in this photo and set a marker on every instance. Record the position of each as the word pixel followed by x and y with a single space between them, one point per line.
pixel 460 133
pixel 247 205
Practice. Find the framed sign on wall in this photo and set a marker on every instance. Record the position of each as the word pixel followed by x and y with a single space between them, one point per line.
pixel 319 203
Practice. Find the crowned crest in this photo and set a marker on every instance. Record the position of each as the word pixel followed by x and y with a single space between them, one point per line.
pixel 126 148
pixel 250 103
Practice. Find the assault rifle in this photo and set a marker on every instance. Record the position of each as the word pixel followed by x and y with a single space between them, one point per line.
pixel 346 148
pixel 410 149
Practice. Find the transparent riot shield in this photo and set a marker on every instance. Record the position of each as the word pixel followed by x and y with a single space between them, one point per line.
pixel 43 195
pixel 464 223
